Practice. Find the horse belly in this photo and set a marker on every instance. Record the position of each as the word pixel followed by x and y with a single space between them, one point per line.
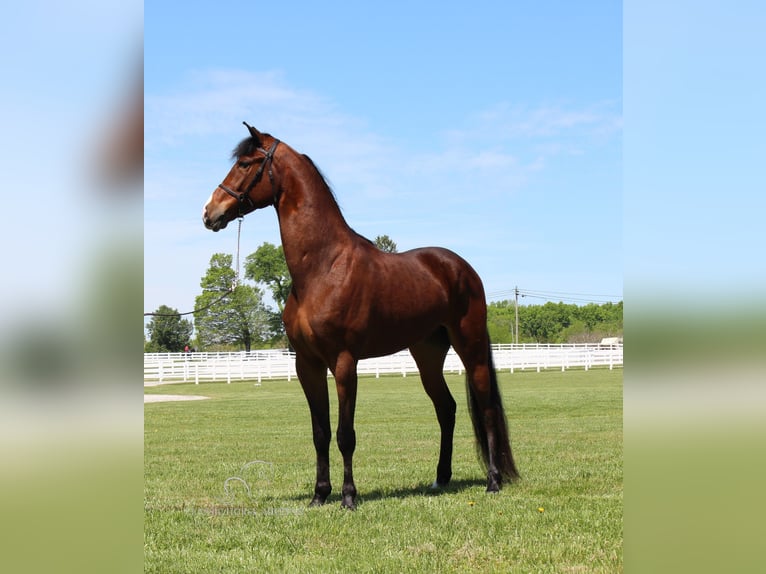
pixel 391 328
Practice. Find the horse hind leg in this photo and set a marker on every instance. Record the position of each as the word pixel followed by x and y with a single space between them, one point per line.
pixel 429 356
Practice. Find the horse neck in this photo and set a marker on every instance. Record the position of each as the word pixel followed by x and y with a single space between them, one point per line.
pixel 313 230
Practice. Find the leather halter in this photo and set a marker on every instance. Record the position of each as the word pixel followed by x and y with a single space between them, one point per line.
pixel 244 197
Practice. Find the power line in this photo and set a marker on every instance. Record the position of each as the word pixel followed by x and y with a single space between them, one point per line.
pixel 554 295
pixel 573 294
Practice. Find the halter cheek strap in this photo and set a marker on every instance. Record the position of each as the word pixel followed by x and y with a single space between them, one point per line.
pixel 244 197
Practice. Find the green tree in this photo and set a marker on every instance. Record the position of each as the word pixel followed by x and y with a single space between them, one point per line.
pixel 240 318
pixel 385 243
pixel 267 265
pixel 500 321
pixel 555 322
pixel 544 323
pixel 168 331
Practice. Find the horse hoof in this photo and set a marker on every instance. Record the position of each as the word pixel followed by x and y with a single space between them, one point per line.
pixel 493 485
pixel 317 501
pixel 348 502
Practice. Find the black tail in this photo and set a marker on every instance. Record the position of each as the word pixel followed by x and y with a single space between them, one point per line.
pixel 503 455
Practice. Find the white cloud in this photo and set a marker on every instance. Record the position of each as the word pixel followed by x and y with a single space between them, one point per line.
pixel 505 121
pixel 205 116
pixel 418 192
pixel 505 143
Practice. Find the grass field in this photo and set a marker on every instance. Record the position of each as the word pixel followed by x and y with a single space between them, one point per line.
pixel 228 481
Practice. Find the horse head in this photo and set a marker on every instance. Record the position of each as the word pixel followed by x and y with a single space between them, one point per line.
pixel 244 188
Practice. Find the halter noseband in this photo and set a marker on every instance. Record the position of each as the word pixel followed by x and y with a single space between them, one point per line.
pixel 244 196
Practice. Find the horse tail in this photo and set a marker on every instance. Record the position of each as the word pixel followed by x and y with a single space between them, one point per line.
pixel 503 455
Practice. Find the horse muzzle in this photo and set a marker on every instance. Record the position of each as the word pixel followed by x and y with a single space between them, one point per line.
pixel 215 224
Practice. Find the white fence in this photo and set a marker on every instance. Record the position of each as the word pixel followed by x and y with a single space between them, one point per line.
pixel 280 364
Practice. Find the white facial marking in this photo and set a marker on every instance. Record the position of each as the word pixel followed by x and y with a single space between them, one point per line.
pixel 209 199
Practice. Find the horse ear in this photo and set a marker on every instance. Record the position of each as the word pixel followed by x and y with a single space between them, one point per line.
pixel 253 132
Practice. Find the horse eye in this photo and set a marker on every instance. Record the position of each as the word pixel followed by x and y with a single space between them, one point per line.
pixel 244 163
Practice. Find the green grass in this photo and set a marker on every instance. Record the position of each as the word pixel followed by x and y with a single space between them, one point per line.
pixel 207 510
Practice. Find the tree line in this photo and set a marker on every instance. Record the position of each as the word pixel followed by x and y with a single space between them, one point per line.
pixel 231 315
pixel 554 322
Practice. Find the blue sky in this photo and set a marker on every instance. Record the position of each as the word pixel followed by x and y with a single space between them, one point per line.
pixel 67 68
pixel 494 130
pixel 694 149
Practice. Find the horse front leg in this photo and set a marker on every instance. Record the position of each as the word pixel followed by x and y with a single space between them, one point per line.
pixel 346 385
pixel 313 378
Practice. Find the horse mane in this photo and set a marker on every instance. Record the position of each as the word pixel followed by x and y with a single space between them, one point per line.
pixel 250 145
pixel 332 193
pixel 247 146
pixel 322 175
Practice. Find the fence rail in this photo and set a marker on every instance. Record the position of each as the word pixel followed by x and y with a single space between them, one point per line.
pixel 280 364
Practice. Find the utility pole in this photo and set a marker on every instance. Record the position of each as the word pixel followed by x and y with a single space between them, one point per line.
pixel 516 291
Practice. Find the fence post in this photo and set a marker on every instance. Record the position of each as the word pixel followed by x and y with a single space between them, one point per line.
pixel 539 359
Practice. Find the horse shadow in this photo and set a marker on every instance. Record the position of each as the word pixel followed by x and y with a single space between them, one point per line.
pixel 378 494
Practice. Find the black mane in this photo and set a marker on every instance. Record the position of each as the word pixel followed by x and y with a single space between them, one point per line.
pixel 332 193
pixel 250 145
pixel 247 146
pixel 322 175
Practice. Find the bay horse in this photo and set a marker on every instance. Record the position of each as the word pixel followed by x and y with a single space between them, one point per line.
pixel 351 301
